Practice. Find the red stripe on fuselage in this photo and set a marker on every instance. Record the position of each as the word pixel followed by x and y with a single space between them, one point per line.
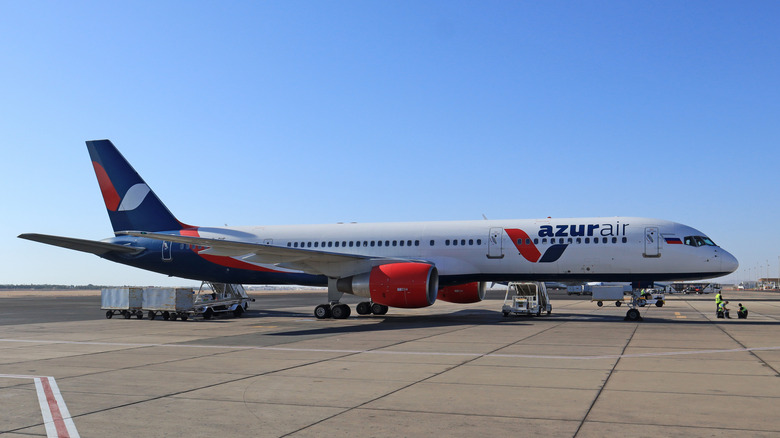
pixel 228 262
pixel 529 252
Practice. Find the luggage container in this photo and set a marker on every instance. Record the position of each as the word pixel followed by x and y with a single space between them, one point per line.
pixel 608 293
pixel 125 301
pixel 170 303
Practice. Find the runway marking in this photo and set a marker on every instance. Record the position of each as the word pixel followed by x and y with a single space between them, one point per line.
pixel 416 353
pixel 677 314
pixel 56 417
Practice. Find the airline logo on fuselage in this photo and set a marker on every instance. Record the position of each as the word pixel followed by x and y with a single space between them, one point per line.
pixel 528 249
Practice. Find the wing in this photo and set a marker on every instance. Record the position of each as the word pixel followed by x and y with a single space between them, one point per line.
pixel 330 264
pixel 90 246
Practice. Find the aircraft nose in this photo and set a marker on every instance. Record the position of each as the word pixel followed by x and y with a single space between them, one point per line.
pixel 728 262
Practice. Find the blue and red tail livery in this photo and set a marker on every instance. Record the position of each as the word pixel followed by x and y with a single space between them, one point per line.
pixel 131 204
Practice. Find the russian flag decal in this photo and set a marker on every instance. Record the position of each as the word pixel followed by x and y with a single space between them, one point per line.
pixel 673 240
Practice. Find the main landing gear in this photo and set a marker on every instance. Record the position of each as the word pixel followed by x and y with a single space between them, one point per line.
pixel 342 311
pixel 336 310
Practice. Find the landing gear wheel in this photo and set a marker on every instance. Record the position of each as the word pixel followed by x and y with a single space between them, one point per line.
pixel 109 314
pixel 633 315
pixel 659 303
pixel 322 311
pixel 363 308
pixel 378 309
pixel 340 311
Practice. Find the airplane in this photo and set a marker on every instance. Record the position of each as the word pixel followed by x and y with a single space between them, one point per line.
pixel 404 265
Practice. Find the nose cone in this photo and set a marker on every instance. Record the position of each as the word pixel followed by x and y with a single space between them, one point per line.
pixel 728 262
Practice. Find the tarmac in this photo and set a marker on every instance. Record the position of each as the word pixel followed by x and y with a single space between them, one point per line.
pixel 454 370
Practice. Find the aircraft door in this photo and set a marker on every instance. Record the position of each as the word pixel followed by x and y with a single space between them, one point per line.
pixel 652 242
pixel 496 243
pixel 167 253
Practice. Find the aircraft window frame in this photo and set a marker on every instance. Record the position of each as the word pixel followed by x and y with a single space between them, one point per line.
pixel 579 240
pixel 447 242
pixel 395 243
pixel 372 243
pixel 379 243
pixel 544 241
pixel 432 243
pixel 536 241
pixel 604 240
pixel 625 239
pixel 454 242
pixel 387 243
pixel 471 241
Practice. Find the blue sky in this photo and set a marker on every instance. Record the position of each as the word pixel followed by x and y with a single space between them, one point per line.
pixel 245 113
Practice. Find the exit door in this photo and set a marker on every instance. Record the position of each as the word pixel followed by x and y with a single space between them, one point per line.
pixel 496 243
pixel 167 251
pixel 652 242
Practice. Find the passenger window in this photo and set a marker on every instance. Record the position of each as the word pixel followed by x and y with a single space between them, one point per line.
pixel 395 243
pixel 447 242
pixel 432 243
pixel 455 242
pixel 372 243
pixel 571 240
pixel 471 241
pixel 625 240
pixel 330 244
pixel 519 241
pixel 579 240
pixel 544 240
pixel 308 244
pixel 603 240
pixel 536 241
pixel 378 243
pixel 614 240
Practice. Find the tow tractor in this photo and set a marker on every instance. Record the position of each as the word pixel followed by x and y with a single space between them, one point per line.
pixel 526 298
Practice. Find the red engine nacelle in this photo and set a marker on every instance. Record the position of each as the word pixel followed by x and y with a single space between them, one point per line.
pixel 408 285
pixel 463 293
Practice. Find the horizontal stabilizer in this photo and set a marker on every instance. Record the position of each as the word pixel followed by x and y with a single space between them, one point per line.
pixel 90 246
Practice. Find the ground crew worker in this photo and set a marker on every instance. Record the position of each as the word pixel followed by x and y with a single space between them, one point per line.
pixel 724 311
pixel 718 300
pixel 742 312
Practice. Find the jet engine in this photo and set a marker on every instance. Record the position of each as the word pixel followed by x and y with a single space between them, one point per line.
pixel 463 293
pixel 409 285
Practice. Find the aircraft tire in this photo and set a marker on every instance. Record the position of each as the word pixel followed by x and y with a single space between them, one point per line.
pixel 363 308
pixel 632 315
pixel 378 309
pixel 322 311
pixel 340 311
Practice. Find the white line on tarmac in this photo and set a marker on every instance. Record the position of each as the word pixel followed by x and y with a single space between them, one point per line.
pixel 56 417
pixel 418 353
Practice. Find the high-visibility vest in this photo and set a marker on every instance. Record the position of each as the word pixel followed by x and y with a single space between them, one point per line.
pixel 718 299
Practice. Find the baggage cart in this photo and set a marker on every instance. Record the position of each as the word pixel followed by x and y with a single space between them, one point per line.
pixel 608 293
pixel 125 301
pixel 170 303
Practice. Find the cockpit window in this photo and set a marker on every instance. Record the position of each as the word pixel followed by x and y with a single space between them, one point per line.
pixel 698 241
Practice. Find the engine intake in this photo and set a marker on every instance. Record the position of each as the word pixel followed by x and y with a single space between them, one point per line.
pixel 408 285
pixel 463 293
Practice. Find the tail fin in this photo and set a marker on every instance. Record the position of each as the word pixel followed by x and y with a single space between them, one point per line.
pixel 131 204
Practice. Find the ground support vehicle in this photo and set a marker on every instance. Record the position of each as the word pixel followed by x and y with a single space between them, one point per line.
pixel 607 293
pixel 170 303
pixel 125 301
pixel 526 298
pixel 221 298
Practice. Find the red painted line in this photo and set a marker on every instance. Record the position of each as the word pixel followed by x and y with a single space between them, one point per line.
pixel 56 415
